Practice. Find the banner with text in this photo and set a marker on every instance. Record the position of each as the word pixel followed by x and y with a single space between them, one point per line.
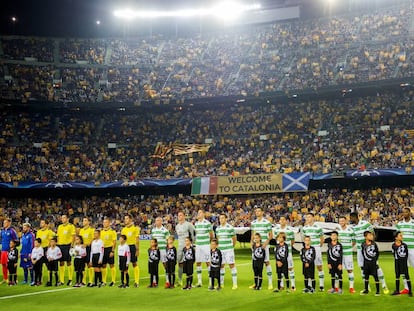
pixel 248 184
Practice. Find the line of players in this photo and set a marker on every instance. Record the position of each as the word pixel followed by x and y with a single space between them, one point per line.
pixel 203 232
pixel 339 255
pixel 94 251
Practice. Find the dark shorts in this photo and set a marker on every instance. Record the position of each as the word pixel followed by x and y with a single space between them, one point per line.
pixel 309 272
pixel 106 257
pixel 170 266
pixel 25 261
pixel 370 269
pixel 335 270
pixel 53 265
pixel 88 255
pixel 79 264
pixel 122 263
pixel 95 261
pixel 133 250
pixel 188 267
pixel 44 258
pixel 11 267
pixel 215 273
pixel 401 269
pixel 65 253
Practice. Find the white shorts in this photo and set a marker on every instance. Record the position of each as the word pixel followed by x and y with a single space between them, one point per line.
pixel 290 261
pixel 163 255
pixel 318 256
pixel 360 258
pixel 228 256
pixel 347 262
pixel 202 253
pixel 411 257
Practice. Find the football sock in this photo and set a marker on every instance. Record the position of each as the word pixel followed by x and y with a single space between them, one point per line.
pixel 136 274
pixel 381 277
pixel 397 285
pixel 127 278
pixel 62 274
pixel 70 272
pixel 269 274
pixel 25 274
pixel 260 280
pixel 405 281
pixel 409 285
pixel 104 274
pixel 313 283
pixel 377 285
pixel 292 278
pixel 90 272
pixel 321 275
pixel 113 274
pixel 173 279
pixel 351 280
pixel 31 274
pixel 122 277
pixel 199 280
pixel 234 276
pixel 222 272
pixel 5 272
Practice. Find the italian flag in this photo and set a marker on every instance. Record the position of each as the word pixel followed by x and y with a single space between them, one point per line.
pixel 204 185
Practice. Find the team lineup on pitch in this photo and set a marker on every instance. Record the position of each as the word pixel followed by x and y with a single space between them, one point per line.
pixel 93 251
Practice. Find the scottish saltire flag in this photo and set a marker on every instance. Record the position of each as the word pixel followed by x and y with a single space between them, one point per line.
pixel 295 182
pixel 204 185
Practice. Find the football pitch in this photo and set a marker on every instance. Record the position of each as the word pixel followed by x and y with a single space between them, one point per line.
pixel 25 297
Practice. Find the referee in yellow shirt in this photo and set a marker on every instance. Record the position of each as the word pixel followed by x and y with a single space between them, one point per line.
pixel 86 232
pixel 108 236
pixel 45 234
pixel 132 233
pixel 65 237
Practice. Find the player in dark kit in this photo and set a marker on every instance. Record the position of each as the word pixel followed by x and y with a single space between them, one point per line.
pixel 258 257
pixel 308 255
pixel 370 254
pixel 335 255
pixel 216 259
pixel 188 262
pixel 400 252
pixel 281 254
pixel 171 256
pixel 153 263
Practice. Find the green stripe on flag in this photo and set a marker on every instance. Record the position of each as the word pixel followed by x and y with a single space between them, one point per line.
pixel 196 186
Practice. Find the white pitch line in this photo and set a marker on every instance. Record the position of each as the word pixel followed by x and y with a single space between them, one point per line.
pixel 36 293
pixel 68 288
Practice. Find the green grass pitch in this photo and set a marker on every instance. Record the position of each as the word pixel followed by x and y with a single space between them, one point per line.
pixel 24 297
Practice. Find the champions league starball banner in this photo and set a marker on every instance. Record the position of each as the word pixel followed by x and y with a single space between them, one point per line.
pixel 95 185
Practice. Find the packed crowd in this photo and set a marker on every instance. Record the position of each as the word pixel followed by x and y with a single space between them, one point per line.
pixel 292 55
pixel 318 136
pixel 380 206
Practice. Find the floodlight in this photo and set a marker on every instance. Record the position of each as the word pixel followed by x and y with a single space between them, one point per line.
pixel 226 9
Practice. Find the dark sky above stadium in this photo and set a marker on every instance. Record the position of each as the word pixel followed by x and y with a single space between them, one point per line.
pixel 77 18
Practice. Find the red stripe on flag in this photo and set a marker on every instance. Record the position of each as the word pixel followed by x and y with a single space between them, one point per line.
pixel 213 184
